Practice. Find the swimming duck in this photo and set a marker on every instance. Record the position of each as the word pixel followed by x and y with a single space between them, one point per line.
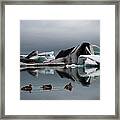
pixel 47 87
pixel 27 88
pixel 68 87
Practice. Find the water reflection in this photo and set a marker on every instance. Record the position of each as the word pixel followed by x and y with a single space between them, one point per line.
pixel 36 71
pixel 82 75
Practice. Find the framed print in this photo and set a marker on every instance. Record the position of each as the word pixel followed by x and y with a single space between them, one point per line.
pixel 59 59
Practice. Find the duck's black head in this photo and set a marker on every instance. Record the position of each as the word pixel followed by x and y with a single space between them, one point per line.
pixel 30 85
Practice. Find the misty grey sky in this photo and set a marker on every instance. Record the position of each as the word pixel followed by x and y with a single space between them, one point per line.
pixel 48 35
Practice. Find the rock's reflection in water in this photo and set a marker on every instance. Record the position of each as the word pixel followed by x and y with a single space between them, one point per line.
pixel 35 72
pixel 82 75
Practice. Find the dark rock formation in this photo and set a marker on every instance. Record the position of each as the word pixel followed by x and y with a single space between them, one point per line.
pixel 70 56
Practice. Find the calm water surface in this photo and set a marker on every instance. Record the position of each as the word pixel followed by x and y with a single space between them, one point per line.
pixel 85 83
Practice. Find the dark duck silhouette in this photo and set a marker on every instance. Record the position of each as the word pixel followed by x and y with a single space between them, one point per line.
pixel 68 87
pixel 27 88
pixel 47 87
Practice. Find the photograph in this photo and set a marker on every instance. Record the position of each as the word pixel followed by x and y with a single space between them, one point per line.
pixel 59 59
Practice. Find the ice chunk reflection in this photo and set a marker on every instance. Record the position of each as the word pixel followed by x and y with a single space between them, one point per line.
pixel 82 75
